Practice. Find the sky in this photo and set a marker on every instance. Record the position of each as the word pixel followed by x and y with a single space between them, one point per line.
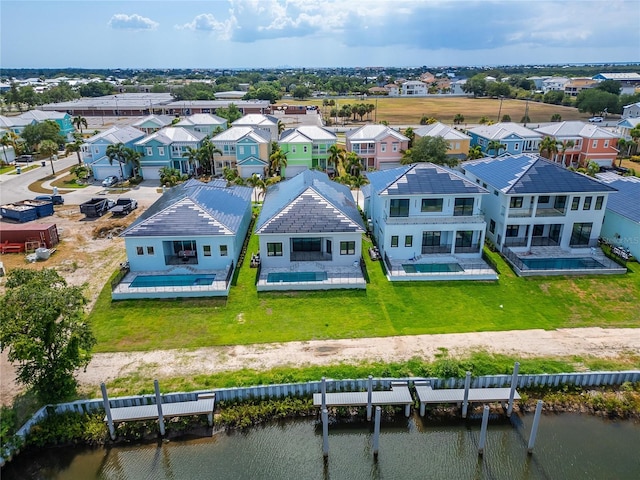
pixel 315 33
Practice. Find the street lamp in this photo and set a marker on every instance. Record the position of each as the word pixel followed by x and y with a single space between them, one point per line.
pixel 500 109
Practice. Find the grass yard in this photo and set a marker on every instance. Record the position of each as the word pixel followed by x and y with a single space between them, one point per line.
pixel 384 309
pixel 68 181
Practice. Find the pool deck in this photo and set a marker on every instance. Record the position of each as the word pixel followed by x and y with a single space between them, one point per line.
pixel 595 253
pixel 472 269
pixel 218 288
pixel 338 277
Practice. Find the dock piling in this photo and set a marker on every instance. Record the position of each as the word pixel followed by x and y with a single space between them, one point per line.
pixel 324 393
pixel 376 433
pixel 156 386
pixel 483 430
pixel 369 397
pixel 107 409
pixel 465 400
pixel 325 432
pixel 534 427
pixel 514 384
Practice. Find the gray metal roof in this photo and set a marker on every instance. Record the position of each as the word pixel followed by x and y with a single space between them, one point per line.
pixel 421 179
pixel 455 395
pixel 309 202
pixel 194 208
pixel 178 409
pixel 626 201
pixel 398 395
pixel 531 174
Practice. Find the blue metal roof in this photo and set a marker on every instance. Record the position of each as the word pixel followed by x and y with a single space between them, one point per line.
pixel 308 203
pixel 531 174
pixel 194 208
pixel 421 179
pixel 626 201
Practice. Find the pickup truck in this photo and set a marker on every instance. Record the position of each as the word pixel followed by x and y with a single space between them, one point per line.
pixel 124 206
pixel 96 207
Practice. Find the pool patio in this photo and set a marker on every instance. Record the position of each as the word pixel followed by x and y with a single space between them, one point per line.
pixel 517 256
pixel 338 277
pixel 465 269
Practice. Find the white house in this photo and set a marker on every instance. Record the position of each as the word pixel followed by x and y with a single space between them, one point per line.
pixel 414 88
pixel 631 111
pixel 258 121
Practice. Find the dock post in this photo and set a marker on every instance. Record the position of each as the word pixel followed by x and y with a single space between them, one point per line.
pixel 465 401
pixel 514 384
pixel 483 430
pixel 325 432
pixel 159 404
pixel 324 393
pixel 376 432
pixel 422 409
pixel 107 409
pixel 369 398
pixel 534 427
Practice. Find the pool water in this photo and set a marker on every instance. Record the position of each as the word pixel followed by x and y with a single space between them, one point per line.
pixel 561 263
pixel 277 277
pixel 142 281
pixel 432 268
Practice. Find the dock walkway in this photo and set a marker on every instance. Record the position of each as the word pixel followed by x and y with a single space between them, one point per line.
pixel 398 395
pixel 427 395
pixel 202 406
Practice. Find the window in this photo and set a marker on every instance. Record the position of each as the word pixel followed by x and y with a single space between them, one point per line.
pixel 431 205
pixel 223 251
pixel 575 203
pixel 253 150
pixel 515 202
pixel 595 144
pixel 148 151
pixel 599 202
pixel 305 148
pixel 495 192
pixel 516 147
pixel 581 234
pixel 587 203
pixel 140 250
pixel 274 249
pixel 512 230
pixel 306 244
pixel 492 226
pixel 293 149
pixel 394 146
pixel 96 150
pixel 543 199
pixel 206 250
pixel 383 147
pixel 161 151
pixel 484 185
pixel 399 207
pixel 347 248
pixel 431 239
pixel 560 202
pixel 463 207
pixel 408 241
pixel 241 150
pixel 606 144
pixel 150 250
pixel 464 238
pixel 394 240
pixel 538 230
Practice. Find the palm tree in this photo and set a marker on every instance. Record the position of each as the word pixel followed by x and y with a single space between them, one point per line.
pixel 5 141
pixel 566 145
pixel 10 139
pixel 336 156
pixel 74 147
pixel 358 181
pixel 353 164
pixel 475 153
pixel 192 155
pixel 49 148
pixel 133 157
pixel 277 160
pixel 117 152
pixel 550 146
pixel 458 119
pixel 496 146
pixel 207 151
pixel 255 182
pixel 79 121
pixel 410 134
pixel 281 127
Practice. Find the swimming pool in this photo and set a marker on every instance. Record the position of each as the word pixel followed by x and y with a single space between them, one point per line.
pixel 289 277
pixel 432 268
pixel 142 281
pixel 582 263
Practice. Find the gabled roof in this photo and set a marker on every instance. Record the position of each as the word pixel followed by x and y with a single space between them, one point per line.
pixel 440 130
pixel 531 174
pixel 625 202
pixel 116 135
pixel 631 122
pixel 306 134
pixel 252 161
pixel 41 116
pixel 374 133
pixel 158 120
pixel 575 129
pixel 194 208
pixel 309 203
pixel 421 179
pixel 169 135
pixel 256 120
pixel 5 122
pixel 202 119
pixel 234 134
pixel 502 130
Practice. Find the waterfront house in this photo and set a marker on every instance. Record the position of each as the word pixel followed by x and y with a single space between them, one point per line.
pixel 513 138
pixel 427 223
pixel 544 218
pixel 257 121
pixel 244 149
pixel 459 143
pixel 310 234
pixel 187 244
pixel 379 147
pixel 94 151
pixel 165 148
pixel 306 147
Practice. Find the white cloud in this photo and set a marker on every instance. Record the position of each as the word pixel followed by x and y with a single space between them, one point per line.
pixel 132 22
pixel 206 22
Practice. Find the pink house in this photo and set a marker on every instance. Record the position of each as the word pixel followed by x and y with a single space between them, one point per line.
pixel 379 146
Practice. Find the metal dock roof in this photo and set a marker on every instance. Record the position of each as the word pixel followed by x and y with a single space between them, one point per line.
pixel 456 395
pixel 398 395
pixel 149 412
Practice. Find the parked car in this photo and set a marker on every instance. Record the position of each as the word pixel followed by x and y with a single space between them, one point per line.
pixel 25 158
pixel 124 206
pixel 596 119
pixel 55 199
pixel 110 181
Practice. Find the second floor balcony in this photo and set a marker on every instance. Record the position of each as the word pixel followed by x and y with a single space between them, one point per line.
pixel 433 219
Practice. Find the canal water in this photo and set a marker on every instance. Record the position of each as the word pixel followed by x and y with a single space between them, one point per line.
pixel 568 447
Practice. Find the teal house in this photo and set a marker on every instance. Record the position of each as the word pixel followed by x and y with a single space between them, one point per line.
pixel 243 148
pixel 165 148
pixel 63 120
pixel 306 148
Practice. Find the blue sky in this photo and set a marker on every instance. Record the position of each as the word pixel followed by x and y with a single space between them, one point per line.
pixel 314 33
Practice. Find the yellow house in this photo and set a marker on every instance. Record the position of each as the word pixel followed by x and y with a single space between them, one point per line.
pixel 459 143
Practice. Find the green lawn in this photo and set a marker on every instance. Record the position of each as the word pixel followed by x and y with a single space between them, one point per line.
pixel 384 309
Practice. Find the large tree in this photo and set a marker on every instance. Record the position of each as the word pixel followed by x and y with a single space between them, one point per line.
pixel 49 149
pixel 45 331
pixel 595 101
pixel 430 149
pixel 476 85
pixel 36 133
pixel 117 152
